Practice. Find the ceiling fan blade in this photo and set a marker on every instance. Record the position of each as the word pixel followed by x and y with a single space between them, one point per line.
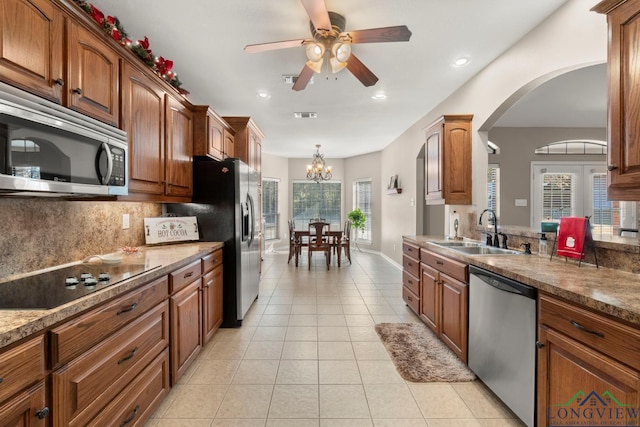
pixel 361 72
pixel 303 78
pixel 379 35
pixel 263 47
pixel 317 11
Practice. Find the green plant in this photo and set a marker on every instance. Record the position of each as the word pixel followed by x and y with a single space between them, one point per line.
pixel 357 219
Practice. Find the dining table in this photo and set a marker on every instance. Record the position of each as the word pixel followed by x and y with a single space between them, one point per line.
pixel 301 239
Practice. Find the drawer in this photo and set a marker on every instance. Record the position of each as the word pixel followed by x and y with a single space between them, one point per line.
pixel 411 282
pixel 411 250
pixel 78 335
pixel 22 366
pixel 448 266
pixel 211 261
pixel 181 278
pixel 412 300
pixel 140 399
pixel 614 339
pixel 410 265
pixel 81 389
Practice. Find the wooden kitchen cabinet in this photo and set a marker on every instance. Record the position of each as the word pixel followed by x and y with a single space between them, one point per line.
pixel 584 355
pixel 31 47
pixel 444 300
pixel 211 295
pixel 186 335
pixel 411 276
pixel 448 169
pixel 93 75
pixel 29 408
pixel 178 149
pixel 623 154
pixel 212 136
pixel 247 142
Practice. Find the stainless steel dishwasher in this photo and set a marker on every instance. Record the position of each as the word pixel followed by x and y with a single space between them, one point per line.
pixel 502 339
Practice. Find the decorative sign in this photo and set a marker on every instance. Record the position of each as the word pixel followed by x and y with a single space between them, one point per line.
pixel 170 229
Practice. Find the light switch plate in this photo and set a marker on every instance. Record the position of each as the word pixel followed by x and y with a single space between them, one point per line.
pixel 521 202
pixel 125 221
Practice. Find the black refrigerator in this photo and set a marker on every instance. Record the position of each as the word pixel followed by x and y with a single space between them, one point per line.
pixel 225 196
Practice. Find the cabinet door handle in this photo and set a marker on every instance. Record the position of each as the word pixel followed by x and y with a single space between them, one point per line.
pixel 42 413
pixel 189 274
pixel 128 356
pixel 77 91
pixel 582 328
pixel 1 379
pixel 209 282
pixel 439 262
pixel 131 417
pixel 128 309
pixel 59 82
pixel 539 344
pixel 612 167
pixel 409 298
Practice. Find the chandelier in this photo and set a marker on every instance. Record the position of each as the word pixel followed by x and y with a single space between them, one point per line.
pixel 317 171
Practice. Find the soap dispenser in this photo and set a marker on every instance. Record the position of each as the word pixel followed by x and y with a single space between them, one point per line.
pixel 542 245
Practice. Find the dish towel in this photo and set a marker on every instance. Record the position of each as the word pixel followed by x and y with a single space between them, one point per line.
pixel 572 234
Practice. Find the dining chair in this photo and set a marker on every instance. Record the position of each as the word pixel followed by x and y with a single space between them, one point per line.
pixel 345 243
pixel 318 242
pixel 292 241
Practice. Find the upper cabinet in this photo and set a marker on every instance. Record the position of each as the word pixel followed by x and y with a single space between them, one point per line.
pixel 93 75
pixel 31 46
pixel 33 57
pixel 247 142
pixel 623 17
pixel 178 149
pixel 212 136
pixel 448 161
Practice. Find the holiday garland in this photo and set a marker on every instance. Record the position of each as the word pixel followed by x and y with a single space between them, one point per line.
pixel 112 26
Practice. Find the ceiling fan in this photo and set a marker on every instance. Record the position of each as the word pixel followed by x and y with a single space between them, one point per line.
pixel 330 39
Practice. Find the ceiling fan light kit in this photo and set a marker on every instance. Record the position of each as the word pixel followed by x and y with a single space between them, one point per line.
pixel 329 36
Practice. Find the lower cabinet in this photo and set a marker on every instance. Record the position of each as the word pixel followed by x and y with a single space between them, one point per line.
pixel 588 367
pixel 186 338
pixel 211 303
pixel 444 300
pixel 28 408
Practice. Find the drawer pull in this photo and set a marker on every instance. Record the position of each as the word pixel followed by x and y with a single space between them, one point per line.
pixel 439 262
pixel 409 264
pixel 410 282
pixel 128 309
pixel 131 417
pixel 128 356
pixel 42 413
pixel 189 274
pixel 1 379
pixel 409 298
pixel 582 328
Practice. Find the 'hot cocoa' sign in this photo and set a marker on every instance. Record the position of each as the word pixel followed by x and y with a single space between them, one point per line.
pixel 170 229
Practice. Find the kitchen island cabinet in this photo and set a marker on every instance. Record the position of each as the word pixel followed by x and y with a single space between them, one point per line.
pixel 584 355
pixel 623 17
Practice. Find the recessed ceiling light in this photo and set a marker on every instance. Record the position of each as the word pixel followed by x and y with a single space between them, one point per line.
pixel 263 94
pixel 379 96
pixel 461 62
pixel 305 115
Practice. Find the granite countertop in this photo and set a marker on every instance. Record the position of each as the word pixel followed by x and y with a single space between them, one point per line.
pixel 18 324
pixel 612 292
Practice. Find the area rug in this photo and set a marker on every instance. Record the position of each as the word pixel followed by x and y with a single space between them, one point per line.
pixel 420 356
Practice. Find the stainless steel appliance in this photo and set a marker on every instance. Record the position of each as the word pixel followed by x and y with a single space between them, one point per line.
pixel 48 150
pixel 60 286
pixel 225 202
pixel 502 339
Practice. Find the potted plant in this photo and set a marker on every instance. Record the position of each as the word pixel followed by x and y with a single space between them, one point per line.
pixel 357 219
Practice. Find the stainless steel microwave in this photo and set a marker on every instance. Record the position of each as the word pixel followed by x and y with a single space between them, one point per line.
pixel 49 150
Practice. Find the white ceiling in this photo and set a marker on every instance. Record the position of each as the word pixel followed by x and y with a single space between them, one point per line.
pixel 205 39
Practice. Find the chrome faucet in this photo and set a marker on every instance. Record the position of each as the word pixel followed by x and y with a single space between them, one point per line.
pixel 496 238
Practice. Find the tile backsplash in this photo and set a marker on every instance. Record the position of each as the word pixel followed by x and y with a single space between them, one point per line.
pixel 38 233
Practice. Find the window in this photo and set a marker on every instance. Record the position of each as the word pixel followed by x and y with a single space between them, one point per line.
pixel 362 200
pixel 493 188
pixel 317 200
pixel 270 208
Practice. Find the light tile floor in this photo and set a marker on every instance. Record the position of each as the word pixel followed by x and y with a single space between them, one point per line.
pixel 307 354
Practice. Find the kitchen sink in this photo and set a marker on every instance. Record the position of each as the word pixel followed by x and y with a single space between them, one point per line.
pixel 476 248
pixel 486 250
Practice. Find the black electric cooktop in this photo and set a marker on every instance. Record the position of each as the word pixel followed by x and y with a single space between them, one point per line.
pixel 57 287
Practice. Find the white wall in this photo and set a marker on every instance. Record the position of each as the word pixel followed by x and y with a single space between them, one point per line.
pixel 278 167
pixel 571 38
